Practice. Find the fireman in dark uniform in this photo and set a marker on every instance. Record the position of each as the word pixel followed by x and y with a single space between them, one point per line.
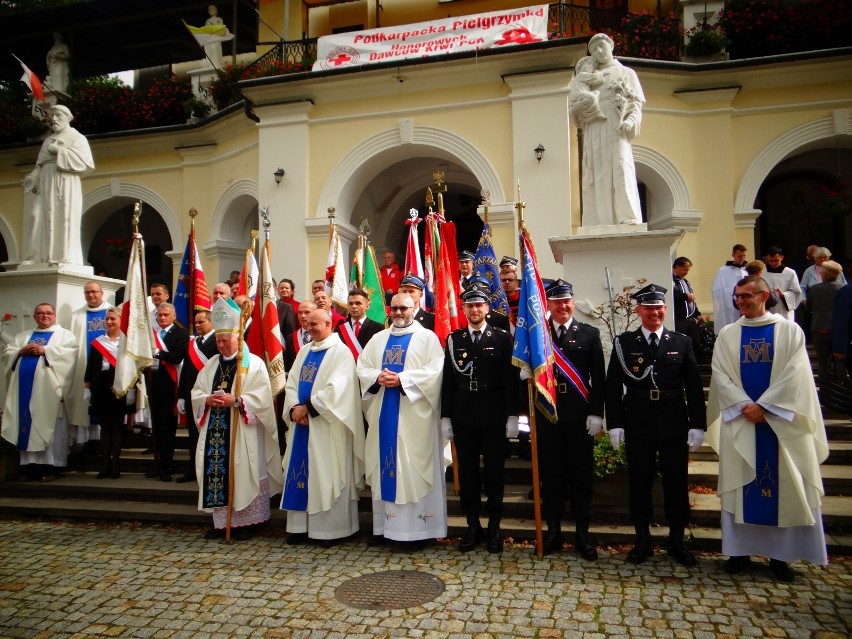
pixel 661 414
pixel 566 449
pixel 479 409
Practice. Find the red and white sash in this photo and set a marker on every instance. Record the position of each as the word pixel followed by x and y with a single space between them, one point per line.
pixel 198 358
pixel 172 369
pixel 107 348
pixel 347 334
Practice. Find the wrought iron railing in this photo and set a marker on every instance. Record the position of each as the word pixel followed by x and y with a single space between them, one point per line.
pixel 568 20
pixel 295 53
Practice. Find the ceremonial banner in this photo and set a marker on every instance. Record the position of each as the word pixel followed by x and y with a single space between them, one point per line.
pixel 265 340
pixel 533 351
pixel 372 284
pixel 485 264
pixel 476 32
pixel 31 80
pixel 248 276
pixel 335 272
pixel 413 262
pixel 210 33
pixel 135 344
pixel 191 290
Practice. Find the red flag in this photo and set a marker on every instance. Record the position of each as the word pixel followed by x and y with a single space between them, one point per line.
pixel 248 276
pixel 31 80
pixel 264 337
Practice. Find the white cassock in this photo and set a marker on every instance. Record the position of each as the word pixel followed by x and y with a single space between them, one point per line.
pixel 335 442
pixel 48 440
pixel 724 311
pixel 793 413
pixel 788 282
pixel 420 508
pixel 256 455
pixel 78 410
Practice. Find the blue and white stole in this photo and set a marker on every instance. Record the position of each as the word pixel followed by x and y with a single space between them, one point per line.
pixel 295 495
pixel 26 375
pixel 95 325
pixel 394 360
pixel 217 442
pixel 760 496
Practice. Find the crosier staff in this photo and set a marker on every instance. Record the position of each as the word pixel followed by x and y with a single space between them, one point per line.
pixel 245 314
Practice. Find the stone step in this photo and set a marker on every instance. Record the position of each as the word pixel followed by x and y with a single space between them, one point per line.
pixel 836 478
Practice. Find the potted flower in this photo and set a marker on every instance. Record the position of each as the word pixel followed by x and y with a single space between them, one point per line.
pixel 117 247
pixel 196 108
pixel 706 43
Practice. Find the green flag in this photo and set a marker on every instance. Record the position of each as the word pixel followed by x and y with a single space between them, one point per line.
pixel 371 282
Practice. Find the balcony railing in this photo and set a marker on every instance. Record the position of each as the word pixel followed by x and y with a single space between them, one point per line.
pixel 568 20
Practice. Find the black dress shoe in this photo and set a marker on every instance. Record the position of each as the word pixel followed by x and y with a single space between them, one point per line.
pixel 553 541
pixel 493 540
pixel 165 477
pixel 641 550
pixel 781 571
pixel 115 475
pixel 148 451
pixel 102 475
pixel 584 547
pixel 680 553
pixel 214 533
pixel 472 538
pixel 294 539
pixel 185 479
pixel 151 474
pixel 737 564
pixel 243 532
pixel 327 543
pixel 376 540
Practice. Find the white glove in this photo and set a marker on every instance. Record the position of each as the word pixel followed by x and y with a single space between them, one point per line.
pixel 512 426
pixel 181 406
pixel 87 396
pixel 447 428
pixel 131 397
pixel 616 437
pixel 694 438
pixel 594 424
pixel 523 424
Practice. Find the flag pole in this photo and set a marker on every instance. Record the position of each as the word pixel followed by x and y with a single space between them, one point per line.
pixel 539 539
pixel 245 313
pixel 192 283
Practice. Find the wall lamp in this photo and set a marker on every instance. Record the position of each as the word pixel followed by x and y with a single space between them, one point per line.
pixel 539 152
pixel 280 174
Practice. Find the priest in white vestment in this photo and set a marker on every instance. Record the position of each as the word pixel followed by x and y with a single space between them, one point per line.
pixel 724 310
pixel 784 282
pixel 38 366
pixel 232 391
pixel 400 372
pixel 767 428
pixel 324 460
pixel 87 323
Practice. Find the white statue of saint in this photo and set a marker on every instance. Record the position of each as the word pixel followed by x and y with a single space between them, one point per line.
pixel 213 50
pixel 606 103
pixel 52 223
pixel 57 64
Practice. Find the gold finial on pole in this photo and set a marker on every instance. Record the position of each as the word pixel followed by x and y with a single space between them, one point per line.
pixel 485 195
pixel 430 201
pixel 264 213
pixel 137 213
pixel 520 205
pixel 440 189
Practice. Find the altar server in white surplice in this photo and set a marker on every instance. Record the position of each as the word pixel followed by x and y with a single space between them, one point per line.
pixel 766 426
pixel 400 372
pixel 39 367
pixel 324 461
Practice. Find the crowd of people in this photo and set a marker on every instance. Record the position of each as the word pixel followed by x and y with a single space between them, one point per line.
pixel 387 406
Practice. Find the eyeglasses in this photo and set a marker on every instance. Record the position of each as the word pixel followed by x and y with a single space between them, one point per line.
pixel 744 296
pixel 44 313
pixel 506 281
pixel 399 309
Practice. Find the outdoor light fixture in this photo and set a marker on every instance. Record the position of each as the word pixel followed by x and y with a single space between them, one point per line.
pixel 280 174
pixel 539 152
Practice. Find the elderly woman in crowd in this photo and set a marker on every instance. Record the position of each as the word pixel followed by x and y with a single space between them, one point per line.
pixel 821 305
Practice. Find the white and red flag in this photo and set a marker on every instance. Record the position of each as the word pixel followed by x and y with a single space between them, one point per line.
pixel 31 80
pixel 264 338
pixel 335 272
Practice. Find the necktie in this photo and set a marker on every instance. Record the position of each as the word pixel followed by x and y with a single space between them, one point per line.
pixel 200 340
pixel 652 341
pixel 163 333
pixel 357 328
pixel 562 331
pixel 306 337
pixel 476 335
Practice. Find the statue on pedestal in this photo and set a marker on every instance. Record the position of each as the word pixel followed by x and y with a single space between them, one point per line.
pixel 606 103
pixel 57 65
pixel 52 223
pixel 213 50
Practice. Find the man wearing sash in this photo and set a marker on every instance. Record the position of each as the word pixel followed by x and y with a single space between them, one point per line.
pixel 766 426
pixel 324 463
pixel 400 373
pixel 659 417
pixel 357 330
pixel 256 460
pixel 479 409
pixel 39 367
pixel 171 343
pixel 87 323
pixel 566 448
pixel 200 350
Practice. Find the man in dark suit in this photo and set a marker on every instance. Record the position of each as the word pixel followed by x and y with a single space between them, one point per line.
pixel 200 349
pixel 688 318
pixel 170 348
pixel 466 259
pixel 414 286
pixel 286 317
pixel 357 330
pixel 479 409
pixel 298 338
pixel 493 318
pixel 566 449
pixel 661 415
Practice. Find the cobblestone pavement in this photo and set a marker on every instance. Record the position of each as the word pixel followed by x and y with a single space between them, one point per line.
pixel 63 580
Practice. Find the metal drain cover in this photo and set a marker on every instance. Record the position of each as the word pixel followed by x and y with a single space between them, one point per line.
pixel 390 590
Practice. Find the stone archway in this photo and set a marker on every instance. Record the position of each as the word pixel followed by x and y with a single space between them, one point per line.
pixel 8 244
pixel 234 218
pixel 668 201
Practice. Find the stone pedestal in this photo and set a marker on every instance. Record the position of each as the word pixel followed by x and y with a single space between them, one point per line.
pixel 629 256
pixel 61 285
